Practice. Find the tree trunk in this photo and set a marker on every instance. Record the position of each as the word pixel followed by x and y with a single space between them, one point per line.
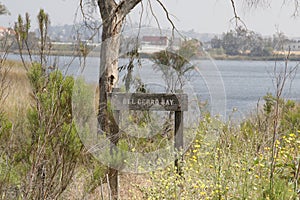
pixel 107 81
pixel 113 16
pixel 108 69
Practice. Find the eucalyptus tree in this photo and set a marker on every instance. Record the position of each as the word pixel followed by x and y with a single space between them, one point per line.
pixel 113 14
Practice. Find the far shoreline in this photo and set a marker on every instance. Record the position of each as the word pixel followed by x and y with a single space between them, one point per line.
pixel 275 57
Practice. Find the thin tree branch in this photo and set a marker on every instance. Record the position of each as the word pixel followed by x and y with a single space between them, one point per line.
pixel 125 6
pixel 296 9
pixel 153 14
pixel 168 17
pixel 236 17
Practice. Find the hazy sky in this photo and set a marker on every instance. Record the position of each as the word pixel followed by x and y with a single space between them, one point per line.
pixel 205 16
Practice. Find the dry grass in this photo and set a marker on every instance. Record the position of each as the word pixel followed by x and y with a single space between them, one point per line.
pixel 129 183
pixel 297 53
pixel 128 187
pixel 17 91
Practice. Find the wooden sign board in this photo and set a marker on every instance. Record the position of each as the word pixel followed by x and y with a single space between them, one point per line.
pixel 154 102
pixel 149 101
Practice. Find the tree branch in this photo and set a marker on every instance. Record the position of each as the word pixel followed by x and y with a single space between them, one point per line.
pixel 236 17
pixel 296 10
pixel 106 7
pixel 168 16
pixel 125 6
pixel 153 14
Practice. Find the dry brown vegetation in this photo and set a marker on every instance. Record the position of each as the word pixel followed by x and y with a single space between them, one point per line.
pixel 18 90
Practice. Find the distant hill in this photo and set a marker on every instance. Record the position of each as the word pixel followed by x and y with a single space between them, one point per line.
pixel 71 33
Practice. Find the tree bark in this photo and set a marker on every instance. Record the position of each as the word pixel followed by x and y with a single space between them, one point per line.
pixel 113 16
pixel 108 79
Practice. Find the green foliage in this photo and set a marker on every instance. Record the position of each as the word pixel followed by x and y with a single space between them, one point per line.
pixel 230 43
pixel 5 158
pixel 291 116
pixel 45 153
pixel 175 66
pixel 227 161
pixel 244 42
pixel 3 10
pixel 54 147
pixel 40 150
pixel 289 112
pixel 22 29
pixel 270 101
pixel 43 23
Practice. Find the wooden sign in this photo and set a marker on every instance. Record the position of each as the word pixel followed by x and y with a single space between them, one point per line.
pixel 155 102
pixel 151 102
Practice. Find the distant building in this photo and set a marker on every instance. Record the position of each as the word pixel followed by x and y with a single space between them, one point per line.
pixel 152 44
pixel 155 40
pixel 292 46
pixel 6 31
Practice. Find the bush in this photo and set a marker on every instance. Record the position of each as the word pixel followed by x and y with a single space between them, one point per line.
pixel 228 161
pixel 38 161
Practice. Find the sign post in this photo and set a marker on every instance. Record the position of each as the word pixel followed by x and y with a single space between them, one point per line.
pixel 177 103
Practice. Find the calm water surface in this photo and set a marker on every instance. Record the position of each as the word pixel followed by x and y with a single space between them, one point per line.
pixel 237 85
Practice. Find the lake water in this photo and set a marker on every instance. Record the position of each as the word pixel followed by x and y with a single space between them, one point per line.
pixel 225 85
pixel 246 82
